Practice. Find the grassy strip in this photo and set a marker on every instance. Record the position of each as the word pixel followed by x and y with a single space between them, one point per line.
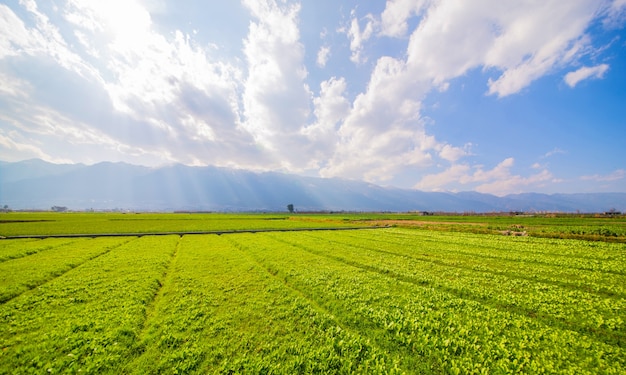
pixel 443 333
pixel 88 319
pixel 219 312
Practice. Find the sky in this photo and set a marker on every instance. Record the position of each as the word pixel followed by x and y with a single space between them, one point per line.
pixel 499 97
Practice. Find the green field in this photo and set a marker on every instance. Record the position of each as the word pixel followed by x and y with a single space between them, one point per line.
pixel 419 297
pixel 18 223
pixel 586 227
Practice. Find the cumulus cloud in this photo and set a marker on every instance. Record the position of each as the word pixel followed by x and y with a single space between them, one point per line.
pixel 331 108
pixel 384 131
pixel 586 72
pixel 397 12
pixel 452 154
pixel 276 98
pixel 498 181
pixel 521 42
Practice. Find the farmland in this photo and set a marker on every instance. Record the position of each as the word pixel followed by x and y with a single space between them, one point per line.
pixel 428 295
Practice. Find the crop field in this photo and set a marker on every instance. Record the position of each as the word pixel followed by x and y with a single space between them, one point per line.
pixel 413 300
pixel 19 224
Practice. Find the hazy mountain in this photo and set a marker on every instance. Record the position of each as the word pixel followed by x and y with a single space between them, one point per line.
pixel 35 184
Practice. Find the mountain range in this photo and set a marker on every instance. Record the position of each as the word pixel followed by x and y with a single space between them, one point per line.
pixel 36 184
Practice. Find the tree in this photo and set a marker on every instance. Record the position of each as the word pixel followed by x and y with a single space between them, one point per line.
pixel 290 208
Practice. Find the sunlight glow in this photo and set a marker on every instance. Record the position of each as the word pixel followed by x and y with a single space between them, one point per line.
pixel 126 21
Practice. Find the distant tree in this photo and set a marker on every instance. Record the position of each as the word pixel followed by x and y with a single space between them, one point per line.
pixel 290 208
pixel 59 208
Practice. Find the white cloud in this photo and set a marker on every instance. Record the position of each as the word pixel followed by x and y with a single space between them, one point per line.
pixel 331 107
pixel 13 149
pixel 383 133
pixel 434 182
pixel 397 12
pixel 322 56
pixel 45 133
pixel 358 37
pixel 520 42
pixel 616 175
pixel 276 98
pixel 13 86
pixel 43 41
pixel 452 154
pixel 12 33
pixel 498 180
pixel 586 72
pixel 554 151
pixel 616 14
pixel 515 183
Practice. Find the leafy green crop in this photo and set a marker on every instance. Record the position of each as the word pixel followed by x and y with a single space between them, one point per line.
pixel 389 300
pixel 86 320
pixel 17 223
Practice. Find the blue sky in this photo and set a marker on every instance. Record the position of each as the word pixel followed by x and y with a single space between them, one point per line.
pixel 491 96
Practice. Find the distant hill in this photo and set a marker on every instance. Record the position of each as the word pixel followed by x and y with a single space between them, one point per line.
pixel 35 184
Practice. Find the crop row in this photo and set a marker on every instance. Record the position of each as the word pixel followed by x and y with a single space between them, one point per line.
pixel 569 308
pixel 516 258
pixel 22 274
pixel 370 301
pixel 11 249
pixel 430 325
pixel 220 312
pixel 86 320
pixel 584 265
pixel 554 250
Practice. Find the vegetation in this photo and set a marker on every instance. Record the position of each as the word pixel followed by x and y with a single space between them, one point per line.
pixel 403 299
pixel 47 223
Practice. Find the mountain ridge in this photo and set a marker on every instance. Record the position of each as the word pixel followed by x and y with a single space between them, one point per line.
pixel 36 184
